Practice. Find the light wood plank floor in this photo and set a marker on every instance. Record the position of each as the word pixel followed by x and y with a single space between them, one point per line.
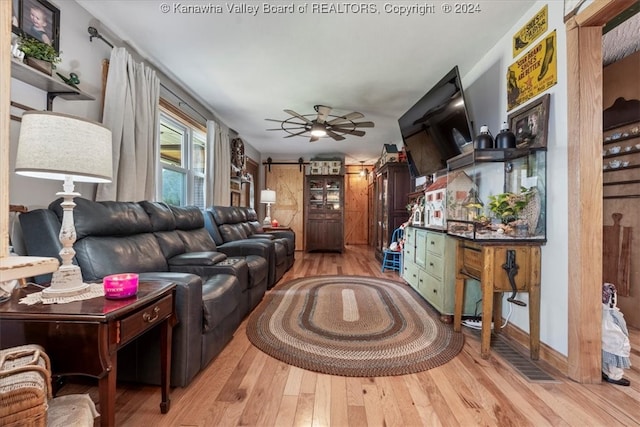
pixel 243 386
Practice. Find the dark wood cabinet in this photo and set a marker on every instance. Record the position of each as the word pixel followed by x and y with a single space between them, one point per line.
pixel 324 213
pixel 391 190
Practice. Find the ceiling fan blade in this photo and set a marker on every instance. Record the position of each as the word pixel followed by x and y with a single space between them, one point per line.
pixel 300 127
pixel 295 134
pixel 358 125
pixel 352 132
pixel 346 118
pixel 335 135
pixel 288 121
pixel 300 116
pixel 323 112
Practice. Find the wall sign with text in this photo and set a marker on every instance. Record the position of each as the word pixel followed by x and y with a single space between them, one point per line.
pixel 533 73
pixel 533 29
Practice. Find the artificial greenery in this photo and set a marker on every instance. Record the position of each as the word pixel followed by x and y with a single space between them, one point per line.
pixel 39 50
pixel 507 206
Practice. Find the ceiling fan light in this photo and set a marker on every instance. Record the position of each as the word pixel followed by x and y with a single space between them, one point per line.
pixel 318 130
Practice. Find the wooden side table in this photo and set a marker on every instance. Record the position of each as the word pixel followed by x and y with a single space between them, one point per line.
pixel 485 262
pixel 83 337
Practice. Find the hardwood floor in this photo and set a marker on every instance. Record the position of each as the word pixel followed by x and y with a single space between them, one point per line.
pixel 243 386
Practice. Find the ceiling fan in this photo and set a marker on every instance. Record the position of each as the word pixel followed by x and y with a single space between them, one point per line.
pixel 324 124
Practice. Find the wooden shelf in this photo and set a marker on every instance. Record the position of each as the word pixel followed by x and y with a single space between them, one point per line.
pixel 621 139
pixel 47 83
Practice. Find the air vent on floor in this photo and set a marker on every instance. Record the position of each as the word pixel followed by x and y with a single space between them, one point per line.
pixel 521 363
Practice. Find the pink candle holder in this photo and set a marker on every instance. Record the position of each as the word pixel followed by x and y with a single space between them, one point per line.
pixel 117 286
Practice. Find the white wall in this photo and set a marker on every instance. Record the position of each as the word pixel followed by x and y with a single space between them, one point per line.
pixel 79 56
pixel 485 91
pixel 83 57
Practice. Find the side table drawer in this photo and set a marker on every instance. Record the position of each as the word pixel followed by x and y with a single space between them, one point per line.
pixel 145 319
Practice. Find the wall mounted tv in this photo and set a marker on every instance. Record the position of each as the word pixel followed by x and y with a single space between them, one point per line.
pixel 437 127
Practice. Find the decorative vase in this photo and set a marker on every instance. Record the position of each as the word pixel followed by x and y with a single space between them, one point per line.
pixel 39 64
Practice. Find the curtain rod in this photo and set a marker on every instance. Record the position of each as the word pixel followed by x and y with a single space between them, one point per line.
pixel 93 33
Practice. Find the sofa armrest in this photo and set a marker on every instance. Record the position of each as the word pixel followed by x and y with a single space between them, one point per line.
pixel 197 258
pixel 187 333
pixel 263 248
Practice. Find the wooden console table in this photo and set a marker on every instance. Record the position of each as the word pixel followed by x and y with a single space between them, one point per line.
pixel 83 337
pixel 485 261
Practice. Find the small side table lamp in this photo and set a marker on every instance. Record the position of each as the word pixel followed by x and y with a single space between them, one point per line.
pixel 267 196
pixel 67 148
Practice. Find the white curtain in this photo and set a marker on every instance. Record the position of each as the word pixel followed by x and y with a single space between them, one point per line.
pixel 221 164
pixel 131 112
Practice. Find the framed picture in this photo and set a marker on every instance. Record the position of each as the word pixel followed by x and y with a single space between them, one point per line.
pixel 530 124
pixel 38 19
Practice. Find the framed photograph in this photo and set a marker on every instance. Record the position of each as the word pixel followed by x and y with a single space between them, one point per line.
pixel 530 124
pixel 38 19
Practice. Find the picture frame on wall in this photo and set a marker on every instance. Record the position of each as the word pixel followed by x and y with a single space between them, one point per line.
pixel 38 19
pixel 530 124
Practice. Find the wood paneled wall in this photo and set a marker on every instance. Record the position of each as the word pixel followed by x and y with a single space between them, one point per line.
pixel 288 182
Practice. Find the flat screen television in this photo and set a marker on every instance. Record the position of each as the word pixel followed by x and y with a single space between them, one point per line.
pixel 437 127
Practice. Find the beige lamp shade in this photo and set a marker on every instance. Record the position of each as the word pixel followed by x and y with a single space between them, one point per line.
pixel 267 196
pixel 55 146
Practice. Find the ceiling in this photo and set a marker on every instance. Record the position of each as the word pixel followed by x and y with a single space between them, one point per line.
pixel 249 68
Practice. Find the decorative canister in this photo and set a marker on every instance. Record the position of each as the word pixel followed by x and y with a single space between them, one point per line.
pixel 484 140
pixel 506 138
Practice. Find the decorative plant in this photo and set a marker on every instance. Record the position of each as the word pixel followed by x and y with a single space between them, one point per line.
pixel 507 206
pixel 39 50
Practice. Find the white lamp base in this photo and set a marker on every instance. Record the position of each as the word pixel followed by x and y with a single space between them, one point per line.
pixel 66 282
pixel 267 219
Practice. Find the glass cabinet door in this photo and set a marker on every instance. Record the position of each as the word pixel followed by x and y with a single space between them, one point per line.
pixel 316 194
pixel 333 199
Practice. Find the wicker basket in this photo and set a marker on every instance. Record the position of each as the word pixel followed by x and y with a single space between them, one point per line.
pixel 24 386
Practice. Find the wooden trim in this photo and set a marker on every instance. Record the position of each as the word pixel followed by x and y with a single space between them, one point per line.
pixel 584 118
pixel 181 115
pixel 600 12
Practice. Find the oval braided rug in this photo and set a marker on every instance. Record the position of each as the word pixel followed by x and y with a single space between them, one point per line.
pixel 352 326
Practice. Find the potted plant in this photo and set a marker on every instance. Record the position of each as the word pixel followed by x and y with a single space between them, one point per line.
pixel 39 55
pixel 507 206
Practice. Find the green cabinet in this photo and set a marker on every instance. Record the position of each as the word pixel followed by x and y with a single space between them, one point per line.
pixel 429 261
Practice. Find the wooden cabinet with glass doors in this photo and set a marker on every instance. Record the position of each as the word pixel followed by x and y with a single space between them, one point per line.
pixel 324 213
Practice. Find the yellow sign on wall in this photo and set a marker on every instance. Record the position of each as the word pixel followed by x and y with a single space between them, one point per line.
pixel 533 73
pixel 533 29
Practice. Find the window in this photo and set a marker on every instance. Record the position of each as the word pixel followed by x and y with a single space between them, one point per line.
pixel 182 161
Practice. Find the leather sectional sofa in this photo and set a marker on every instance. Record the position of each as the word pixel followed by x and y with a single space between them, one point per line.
pixel 229 225
pixel 216 287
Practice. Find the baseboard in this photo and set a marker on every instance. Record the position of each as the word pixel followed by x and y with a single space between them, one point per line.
pixel 547 354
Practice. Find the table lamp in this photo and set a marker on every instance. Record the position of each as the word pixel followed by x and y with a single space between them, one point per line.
pixel 267 196
pixel 67 148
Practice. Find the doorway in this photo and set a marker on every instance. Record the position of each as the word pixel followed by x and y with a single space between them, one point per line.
pixel 584 119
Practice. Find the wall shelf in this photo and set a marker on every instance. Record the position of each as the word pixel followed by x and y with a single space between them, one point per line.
pixel 47 83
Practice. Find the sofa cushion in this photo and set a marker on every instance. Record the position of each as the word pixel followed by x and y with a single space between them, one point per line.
pixel 232 232
pixel 101 256
pixel 106 218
